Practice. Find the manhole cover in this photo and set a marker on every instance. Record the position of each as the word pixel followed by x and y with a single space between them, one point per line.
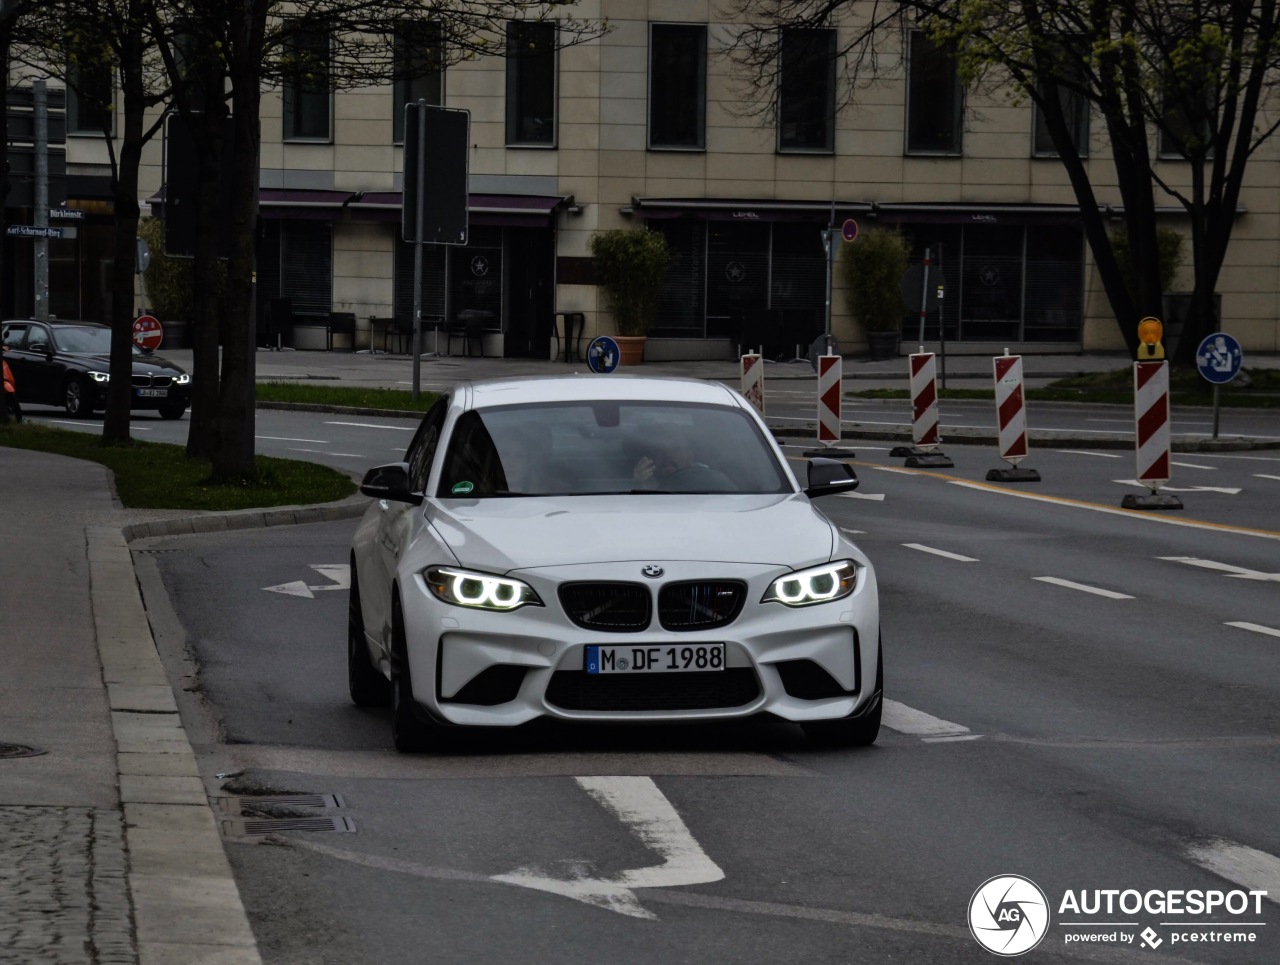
pixel 242 827
pixel 236 804
pixel 19 750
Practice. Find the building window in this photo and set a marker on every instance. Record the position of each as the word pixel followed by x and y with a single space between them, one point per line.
pixel 1067 64
pixel 531 84
pixel 419 69
pixel 307 115
pixel 1190 111
pixel 806 90
pixel 935 99
pixel 91 94
pixel 677 85
pixel 306 266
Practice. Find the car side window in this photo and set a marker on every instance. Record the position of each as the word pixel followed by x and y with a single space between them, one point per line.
pixel 423 448
pixel 38 339
pixel 14 335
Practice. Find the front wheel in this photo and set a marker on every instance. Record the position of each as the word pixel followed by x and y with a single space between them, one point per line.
pixel 76 398
pixel 860 731
pixel 410 732
pixel 365 682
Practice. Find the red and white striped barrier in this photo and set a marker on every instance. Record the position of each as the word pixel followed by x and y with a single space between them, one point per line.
pixel 1011 420
pixel 1151 415
pixel 829 367
pixel 924 400
pixel 1151 421
pixel 753 381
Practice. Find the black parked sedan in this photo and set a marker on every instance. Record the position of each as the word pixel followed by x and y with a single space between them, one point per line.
pixel 68 364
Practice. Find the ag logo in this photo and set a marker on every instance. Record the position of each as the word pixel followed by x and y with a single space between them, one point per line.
pixel 1008 915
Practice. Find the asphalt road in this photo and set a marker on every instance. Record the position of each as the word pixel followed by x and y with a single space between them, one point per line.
pixel 1083 696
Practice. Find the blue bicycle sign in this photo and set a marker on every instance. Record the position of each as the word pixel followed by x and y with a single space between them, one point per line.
pixel 1219 358
pixel 602 355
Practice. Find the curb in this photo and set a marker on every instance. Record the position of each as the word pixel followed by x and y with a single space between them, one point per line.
pixel 186 904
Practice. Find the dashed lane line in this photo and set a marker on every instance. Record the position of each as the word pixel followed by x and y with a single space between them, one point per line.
pixel 1241 865
pixel 916 723
pixel 943 553
pixel 1083 587
pixel 1086 452
pixel 375 425
pixel 1255 627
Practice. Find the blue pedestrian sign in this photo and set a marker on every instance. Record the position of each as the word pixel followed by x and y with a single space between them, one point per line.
pixel 602 355
pixel 1219 358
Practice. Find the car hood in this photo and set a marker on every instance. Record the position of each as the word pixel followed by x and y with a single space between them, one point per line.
pixel 148 364
pixel 499 535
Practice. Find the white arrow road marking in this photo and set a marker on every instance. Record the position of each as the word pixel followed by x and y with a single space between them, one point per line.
pixel 877 497
pixel 339 575
pixel 1109 594
pixel 635 801
pixel 908 720
pixel 1255 627
pixel 943 553
pixel 1229 490
pixel 1242 865
pixel 1236 572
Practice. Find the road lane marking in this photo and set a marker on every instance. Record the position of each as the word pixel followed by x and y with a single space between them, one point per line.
pixel 338 574
pixel 316 442
pixel 374 425
pixel 1240 864
pixel 1083 452
pixel 325 452
pixel 1191 465
pixel 874 497
pixel 943 553
pixel 1098 508
pixel 637 803
pixel 908 720
pixel 1228 490
pixel 1058 581
pixel 1255 627
pixel 1237 572
pixel 900 472
pixel 852 532
pixel 1263 475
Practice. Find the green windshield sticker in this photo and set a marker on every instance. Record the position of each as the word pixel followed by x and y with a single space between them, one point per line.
pixel 462 488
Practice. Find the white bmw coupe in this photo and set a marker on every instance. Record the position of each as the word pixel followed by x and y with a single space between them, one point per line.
pixel 607 548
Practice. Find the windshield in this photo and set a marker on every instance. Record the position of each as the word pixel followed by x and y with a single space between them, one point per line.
pixel 608 448
pixel 85 341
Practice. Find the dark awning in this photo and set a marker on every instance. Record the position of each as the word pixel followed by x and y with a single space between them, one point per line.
pixel 744 209
pixel 511 210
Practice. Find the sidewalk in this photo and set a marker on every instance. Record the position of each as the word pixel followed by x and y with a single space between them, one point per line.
pixel 113 855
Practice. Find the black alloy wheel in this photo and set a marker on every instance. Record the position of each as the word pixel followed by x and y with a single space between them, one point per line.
pixel 76 397
pixel 365 682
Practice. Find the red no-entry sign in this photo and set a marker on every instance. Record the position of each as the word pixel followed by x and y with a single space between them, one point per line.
pixel 147 333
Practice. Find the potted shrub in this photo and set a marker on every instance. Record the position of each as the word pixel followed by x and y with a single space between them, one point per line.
pixel 629 265
pixel 872 268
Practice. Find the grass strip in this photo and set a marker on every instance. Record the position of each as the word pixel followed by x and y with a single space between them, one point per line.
pixel 350 397
pixel 154 475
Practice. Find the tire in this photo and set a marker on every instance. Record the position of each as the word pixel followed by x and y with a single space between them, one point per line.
pixel 172 412
pixel 859 731
pixel 365 682
pixel 76 398
pixel 411 731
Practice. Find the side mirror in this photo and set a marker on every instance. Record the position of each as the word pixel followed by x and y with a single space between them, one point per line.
pixel 390 482
pixel 830 476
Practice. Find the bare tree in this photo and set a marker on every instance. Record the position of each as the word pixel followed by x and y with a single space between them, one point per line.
pixel 1196 75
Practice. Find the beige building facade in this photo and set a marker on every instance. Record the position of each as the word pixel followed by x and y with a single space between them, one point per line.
pixel 652 124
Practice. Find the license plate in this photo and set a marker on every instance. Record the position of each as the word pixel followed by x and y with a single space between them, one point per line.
pixel 153 393
pixel 671 659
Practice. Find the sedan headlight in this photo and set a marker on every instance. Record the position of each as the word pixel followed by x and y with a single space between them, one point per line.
pixel 100 376
pixel 183 379
pixel 818 584
pixel 480 591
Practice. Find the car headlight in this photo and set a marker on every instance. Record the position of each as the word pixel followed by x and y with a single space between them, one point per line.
pixel 480 591
pixel 183 379
pixel 100 376
pixel 818 584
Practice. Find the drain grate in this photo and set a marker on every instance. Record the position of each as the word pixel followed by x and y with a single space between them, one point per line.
pixel 19 750
pixel 254 827
pixel 235 805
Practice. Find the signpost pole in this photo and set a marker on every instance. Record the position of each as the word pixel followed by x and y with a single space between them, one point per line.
pixel 417 248
pixel 924 293
pixel 1216 410
pixel 40 103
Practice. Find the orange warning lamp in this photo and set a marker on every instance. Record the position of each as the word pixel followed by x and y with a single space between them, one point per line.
pixel 1150 331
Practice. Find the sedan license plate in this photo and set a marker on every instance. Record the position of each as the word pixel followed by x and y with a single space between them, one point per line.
pixel 153 393
pixel 670 659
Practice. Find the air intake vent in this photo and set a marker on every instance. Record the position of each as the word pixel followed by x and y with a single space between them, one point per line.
pixel 578 690
pixel 611 607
